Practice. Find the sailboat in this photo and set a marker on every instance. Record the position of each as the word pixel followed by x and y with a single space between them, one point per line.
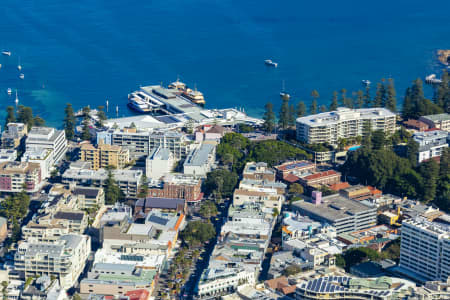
pixel 19 67
pixel 283 94
pixel 21 76
pixel 17 99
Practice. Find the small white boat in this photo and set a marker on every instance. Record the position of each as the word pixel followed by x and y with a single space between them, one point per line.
pixel 17 99
pixel 22 76
pixel 7 53
pixel 366 82
pixel 9 91
pixel 271 63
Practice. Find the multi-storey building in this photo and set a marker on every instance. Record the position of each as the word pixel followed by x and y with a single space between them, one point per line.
pixel 329 127
pixel 431 143
pixel 12 137
pixel 258 171
pixel 200 160
pixel 140 144
pixel 127 180
pixel 159 162
pixel 439 121
pixel 104 155
pixel 41 156
pixel 178 186
pixel 64 258
pixel 48 138
pixel 344 214
pixel 89 197
pixel 14 176
pixel 8 155
pixel 425 249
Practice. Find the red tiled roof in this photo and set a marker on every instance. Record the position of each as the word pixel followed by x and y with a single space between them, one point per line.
pixel 339 186
pixel 277 283
pixel 320 174
pixel 291 178
pixel 288 289
pixel 138 294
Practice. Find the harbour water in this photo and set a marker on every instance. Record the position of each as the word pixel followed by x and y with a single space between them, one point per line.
pixel 86 52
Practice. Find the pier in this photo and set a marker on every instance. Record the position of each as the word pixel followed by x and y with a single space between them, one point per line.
pixel 432 79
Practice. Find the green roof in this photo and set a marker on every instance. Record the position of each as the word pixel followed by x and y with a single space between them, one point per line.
pixel 146 277
pixel 380 283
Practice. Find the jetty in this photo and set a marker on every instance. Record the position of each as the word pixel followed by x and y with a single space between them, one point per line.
pixel 432 79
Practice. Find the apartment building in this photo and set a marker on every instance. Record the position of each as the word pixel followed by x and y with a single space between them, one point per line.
pixel 431 144
pixel 200 160
pixel 439 121
pixel 41 156
pixel 425 249
pixel 140 144
pixel 13 135
pixel 48 138
pixel 8 155
pixel 159 162
pixel 258 171
pixel 127 180
pixel 64 258
pixel 178 186
pixel 329 127
pixel 15 175
pixel 104 155
pixel 89 197
pixel 321 178
pixel 344 214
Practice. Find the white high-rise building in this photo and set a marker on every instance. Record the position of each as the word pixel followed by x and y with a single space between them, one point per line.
pixel 329 127
pixel 48 138
pixel 425 249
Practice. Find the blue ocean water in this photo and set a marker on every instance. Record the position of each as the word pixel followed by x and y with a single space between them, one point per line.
pixel 85 51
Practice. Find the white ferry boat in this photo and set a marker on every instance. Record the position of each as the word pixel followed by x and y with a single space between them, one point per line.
pixel 7 53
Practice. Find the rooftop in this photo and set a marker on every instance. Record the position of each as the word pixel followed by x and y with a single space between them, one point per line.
pixel 342 114
pixel 159 154
pixel 438 117
pixel 334 207
pixel 199 156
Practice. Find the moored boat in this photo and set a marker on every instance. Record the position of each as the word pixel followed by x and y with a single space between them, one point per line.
pixel 7 53
pixel 271 63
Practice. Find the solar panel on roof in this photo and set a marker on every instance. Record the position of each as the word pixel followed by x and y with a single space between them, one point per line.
pixel 309 285
pixel 333 287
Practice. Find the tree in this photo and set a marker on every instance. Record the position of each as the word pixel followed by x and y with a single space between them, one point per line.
pixel 10 115
pixel 380 95
pixel 391 96
pixel 143 187
pixel 301 109
pixel 86 133
pixel 442 96
pixel 343 97
pixel 220 182
pixel 296 189
pixel 360 99
pixel 412 151
pixel 334 102
pixel 292 270
pixel 269 118
pixel 292 113
pixel 25 115
pixel 283 118
pixel 378 139
pixel 208 209
pixel 323 108
pixel 275 212
pixel 367 99
pixel 101 115
pixel 430 171
pixel 38 121
pixel 113 193
pixel 197 232
pixel 69 122
pixel 313 107
pixel 408 106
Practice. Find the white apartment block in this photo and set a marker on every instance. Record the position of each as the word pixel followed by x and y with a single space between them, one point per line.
pixel 41 156
pixel 431 143
pixel 200 160
pixel 329 127
pixel 159 163
pixel 64 258
pixel 425 249
pixel 224 281
pixel 48 138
